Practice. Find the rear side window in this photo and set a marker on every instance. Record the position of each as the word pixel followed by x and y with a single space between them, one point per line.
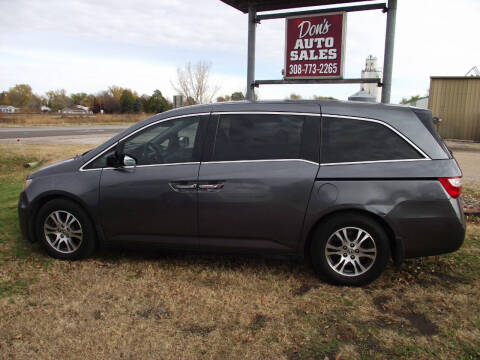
pixel 258 137
pixel 349 140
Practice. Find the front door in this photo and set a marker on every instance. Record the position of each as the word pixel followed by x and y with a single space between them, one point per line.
pixel 255 186
pixel 156 200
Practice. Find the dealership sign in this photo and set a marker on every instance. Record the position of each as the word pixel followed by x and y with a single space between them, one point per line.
pixel 314 46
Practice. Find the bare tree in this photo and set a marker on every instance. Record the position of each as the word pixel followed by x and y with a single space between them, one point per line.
pixel 194 84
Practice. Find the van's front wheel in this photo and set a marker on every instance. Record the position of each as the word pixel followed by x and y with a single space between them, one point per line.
pixel 350 249
pixel 65 230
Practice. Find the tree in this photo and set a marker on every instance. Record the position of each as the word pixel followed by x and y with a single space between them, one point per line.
pixel 145 99
pixel 315 97
pixel 20 95
pixel 157 103
pixel 237 96
pixel 97 105
pixel 58 99
pixel 110 104
pixel 223 98
pixel 194 84
pixel 138 106
pixel 411 99
pixel 34 104
pixel 127 101
pixel 116 91
pixel 83 99
pixel 77 98
pixel 4 98
pixel 294 96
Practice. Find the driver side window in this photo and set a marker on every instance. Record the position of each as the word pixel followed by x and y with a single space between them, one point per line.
pixel 167 142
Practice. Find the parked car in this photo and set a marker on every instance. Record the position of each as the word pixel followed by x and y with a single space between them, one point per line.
pixel 348 184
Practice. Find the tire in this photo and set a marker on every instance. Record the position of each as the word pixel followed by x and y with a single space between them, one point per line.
pixel 343 263
pixel 65 230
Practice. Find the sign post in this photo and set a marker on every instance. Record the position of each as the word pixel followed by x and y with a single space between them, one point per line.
pixel 314 41
pixel 314 46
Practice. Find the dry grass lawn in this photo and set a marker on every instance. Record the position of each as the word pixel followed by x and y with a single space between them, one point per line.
pixel 151 305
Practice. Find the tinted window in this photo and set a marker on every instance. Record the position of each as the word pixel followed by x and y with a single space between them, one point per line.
pixel 167 142
pixel 258 136
pixel 347 140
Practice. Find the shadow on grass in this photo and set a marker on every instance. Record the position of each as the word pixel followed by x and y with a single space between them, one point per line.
pixel 213 260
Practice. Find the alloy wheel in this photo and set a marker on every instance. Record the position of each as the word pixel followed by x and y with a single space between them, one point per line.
pixel 63 231
pixel 350 251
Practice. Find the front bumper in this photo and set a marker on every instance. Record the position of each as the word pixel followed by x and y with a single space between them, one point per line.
pixel 24 214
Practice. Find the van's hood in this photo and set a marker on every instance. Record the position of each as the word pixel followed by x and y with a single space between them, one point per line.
pixel 67 165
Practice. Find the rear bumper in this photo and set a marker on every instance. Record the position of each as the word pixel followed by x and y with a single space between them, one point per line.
pixel 24 214
pixel 429 227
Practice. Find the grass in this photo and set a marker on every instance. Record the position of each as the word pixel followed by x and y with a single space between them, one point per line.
pixel 144 304
pixel 472 191
pixel 59 119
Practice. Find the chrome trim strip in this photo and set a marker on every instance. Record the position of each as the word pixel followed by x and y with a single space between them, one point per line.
pixel 372 162
pixel 128 135
pixel 256 161
pixel 388 126
pixel 267 113
pixel 141 166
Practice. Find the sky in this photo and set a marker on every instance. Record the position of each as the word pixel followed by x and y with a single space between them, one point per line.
pixel 89 45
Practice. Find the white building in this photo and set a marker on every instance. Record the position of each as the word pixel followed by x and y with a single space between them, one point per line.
pixel 76 109
pixel 8 109
pixel 420 103
pixel 371 71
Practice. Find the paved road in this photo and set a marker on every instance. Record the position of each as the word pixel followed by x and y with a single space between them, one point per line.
pixel 467 155
pixel 47 131
pixel 88 134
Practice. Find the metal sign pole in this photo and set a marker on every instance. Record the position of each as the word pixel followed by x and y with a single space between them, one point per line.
pixel 251 53
pixel 389 47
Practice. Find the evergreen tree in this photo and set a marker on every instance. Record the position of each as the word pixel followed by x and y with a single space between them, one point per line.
pixel 127 101
pixel 137 105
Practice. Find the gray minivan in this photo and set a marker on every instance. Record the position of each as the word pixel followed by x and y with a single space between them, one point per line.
pixel 348 184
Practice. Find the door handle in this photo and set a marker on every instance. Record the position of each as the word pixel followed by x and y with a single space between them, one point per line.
pixel 179 187
pixel 210 186
pixel 184 187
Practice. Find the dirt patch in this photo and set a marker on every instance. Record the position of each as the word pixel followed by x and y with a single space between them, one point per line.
pixel 380 301
pixel 154 312
pixel 451 278
pixel 420 322
pixel 303 289
pixel 97 315
pixel 258 322
pixel 199 330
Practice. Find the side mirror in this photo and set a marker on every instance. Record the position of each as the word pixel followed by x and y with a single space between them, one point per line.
pixel 116 160
pixel 129 161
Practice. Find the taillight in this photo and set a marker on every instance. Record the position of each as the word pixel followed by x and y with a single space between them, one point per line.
pixel 452 185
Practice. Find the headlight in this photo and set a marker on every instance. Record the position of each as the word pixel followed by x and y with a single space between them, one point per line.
pixel 27 183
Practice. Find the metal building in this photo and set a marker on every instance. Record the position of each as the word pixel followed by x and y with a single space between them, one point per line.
pixel 456 100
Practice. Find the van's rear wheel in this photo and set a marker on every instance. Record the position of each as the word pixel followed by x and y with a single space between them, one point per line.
pixel 350 249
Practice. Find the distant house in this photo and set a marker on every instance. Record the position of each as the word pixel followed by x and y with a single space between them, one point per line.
pixel 8 109
pixel 420 103
pixel 76 109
